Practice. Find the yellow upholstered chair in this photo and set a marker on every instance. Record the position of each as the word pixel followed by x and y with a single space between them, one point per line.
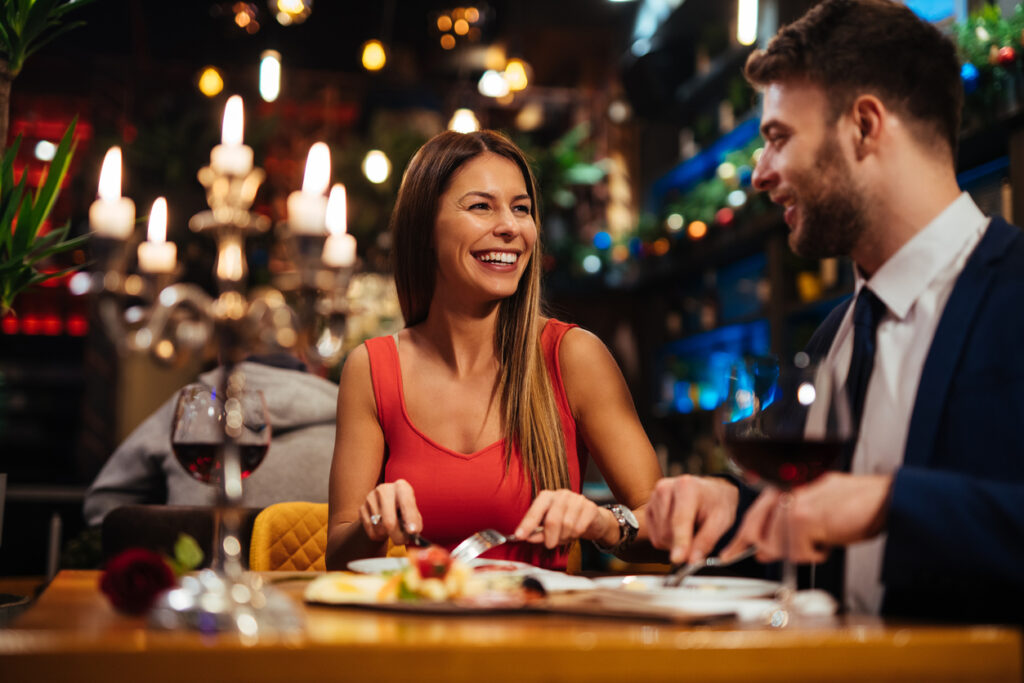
pixel 289 537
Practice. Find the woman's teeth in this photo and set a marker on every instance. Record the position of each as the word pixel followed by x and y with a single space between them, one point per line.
pixel 498 257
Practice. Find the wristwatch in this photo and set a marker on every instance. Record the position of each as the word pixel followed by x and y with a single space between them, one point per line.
pixel 628 528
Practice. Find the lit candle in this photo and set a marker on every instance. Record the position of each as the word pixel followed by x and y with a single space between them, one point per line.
pixel 112 215
pixel 307 208
pixel 231 157
pixel 156 254
pixel 340 247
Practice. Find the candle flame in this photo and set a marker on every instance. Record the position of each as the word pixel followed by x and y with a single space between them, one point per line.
pixel 337 210
pixel 318 169
pixel 234 122
pixel 158 221
pixel 110 175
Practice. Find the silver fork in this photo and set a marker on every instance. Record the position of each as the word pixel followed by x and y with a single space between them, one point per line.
pixel 679 572
pixel 482 541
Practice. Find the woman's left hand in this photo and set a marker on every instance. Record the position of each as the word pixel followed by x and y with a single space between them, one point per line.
pixel 565 517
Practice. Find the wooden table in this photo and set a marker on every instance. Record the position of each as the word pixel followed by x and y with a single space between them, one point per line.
pixel 72 633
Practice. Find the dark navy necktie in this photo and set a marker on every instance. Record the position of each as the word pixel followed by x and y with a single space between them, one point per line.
pixel 867 312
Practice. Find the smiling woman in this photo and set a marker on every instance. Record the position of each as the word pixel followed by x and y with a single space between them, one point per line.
pixel 481 412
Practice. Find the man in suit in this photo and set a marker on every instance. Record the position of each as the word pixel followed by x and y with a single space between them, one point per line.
pixel 861 116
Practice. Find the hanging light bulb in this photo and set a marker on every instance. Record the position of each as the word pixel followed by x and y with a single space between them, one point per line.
pixel 464 121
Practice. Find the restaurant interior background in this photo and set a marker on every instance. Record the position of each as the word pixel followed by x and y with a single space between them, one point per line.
pixel 641 128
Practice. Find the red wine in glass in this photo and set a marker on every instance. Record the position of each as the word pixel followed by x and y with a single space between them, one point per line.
pixel 201 462
pixel 784 463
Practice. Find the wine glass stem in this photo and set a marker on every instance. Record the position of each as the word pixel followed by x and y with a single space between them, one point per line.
pixel 230 549
pixel 788 568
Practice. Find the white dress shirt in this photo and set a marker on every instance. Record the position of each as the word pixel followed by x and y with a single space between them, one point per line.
pixel 914 284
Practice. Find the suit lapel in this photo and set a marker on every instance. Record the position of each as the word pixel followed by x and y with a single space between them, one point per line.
pixel 948 342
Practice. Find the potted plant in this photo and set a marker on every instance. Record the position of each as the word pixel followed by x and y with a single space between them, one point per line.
pixel 25 26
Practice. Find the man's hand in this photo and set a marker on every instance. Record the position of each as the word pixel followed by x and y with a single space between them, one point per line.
pixel 687 515
pixel 837 509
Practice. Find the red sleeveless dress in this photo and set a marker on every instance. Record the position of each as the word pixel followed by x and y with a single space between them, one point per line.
pixel 457 493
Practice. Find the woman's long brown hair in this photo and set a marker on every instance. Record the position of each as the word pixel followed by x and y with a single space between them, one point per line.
pixel 527 398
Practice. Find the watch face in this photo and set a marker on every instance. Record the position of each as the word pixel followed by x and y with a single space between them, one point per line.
pixel 628 515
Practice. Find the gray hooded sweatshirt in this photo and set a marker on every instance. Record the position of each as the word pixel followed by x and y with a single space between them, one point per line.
pixel 302 407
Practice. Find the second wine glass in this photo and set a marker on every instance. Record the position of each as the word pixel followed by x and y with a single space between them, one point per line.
pixel 784 425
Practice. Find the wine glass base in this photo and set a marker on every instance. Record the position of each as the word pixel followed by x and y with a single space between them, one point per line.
pixel 211 602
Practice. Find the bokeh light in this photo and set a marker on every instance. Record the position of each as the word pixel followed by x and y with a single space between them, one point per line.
pixel 374 57
pixel 210 82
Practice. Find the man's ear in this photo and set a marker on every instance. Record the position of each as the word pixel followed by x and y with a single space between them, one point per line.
pixel 868 116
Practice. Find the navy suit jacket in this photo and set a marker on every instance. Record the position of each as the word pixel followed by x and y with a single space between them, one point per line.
pixel 955 545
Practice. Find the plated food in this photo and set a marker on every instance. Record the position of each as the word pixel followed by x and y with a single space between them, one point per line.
pixel 428 576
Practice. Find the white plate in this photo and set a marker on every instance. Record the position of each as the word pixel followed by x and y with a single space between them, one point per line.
pixel 694 588
pixel 379 565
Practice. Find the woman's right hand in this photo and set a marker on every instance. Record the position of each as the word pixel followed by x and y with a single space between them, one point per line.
pixel 389 511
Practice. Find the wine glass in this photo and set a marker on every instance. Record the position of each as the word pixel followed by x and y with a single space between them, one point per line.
pixel 200 424
pixel 785 425
pixel 220 442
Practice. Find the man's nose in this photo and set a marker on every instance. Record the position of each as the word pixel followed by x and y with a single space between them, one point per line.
pixel 764 177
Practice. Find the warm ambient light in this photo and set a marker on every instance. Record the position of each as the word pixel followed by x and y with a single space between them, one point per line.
pixel 157 233
pixel 447 41
pixel 492 84
pixel 374 57
pixel 110 175
pixel 318 169
pixel 337 210
pixel 376 166
pixel 233 123
pixel 746 21
pixel 45 150
pixel 515 75
pixel 697 230
pixel 210 82
pixel 270 75
pixel 464 121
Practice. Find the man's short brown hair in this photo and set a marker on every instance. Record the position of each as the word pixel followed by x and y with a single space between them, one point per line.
pixel 853 47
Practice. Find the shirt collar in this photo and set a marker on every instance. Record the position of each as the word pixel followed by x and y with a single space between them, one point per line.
pixel 911 270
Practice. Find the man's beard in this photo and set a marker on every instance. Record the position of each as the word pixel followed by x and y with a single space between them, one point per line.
pixel 834 212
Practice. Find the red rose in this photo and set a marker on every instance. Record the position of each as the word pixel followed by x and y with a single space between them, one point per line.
pixel 135 578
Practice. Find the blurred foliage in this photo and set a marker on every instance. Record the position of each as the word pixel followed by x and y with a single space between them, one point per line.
pixel 22 214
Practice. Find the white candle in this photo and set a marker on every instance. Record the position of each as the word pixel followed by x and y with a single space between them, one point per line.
pixel 231 157
pixel 339 251
pixel 307 208
pixel 340 247
pixel 112 215
pixel 156 254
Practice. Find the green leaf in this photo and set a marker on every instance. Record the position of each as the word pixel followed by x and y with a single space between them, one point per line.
pixel 48 191
pixel 40 42
pixel 58 248
pixel 10 203
pixel 187 552
pixel 25 231
pixel 36 19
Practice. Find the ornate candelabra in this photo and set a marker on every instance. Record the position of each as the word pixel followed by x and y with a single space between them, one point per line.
pixel 150 311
